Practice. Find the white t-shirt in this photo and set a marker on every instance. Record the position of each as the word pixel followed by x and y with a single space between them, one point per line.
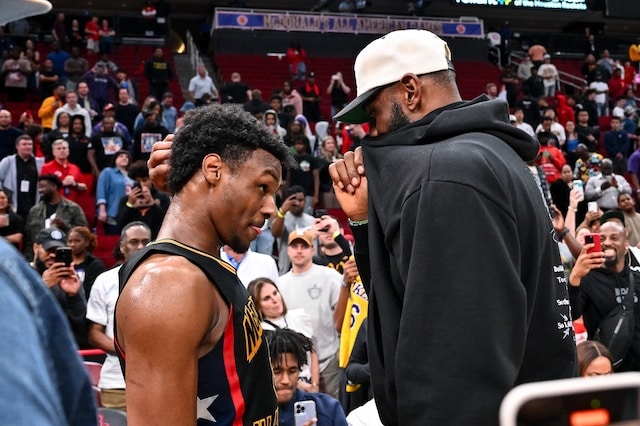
pixel 601 98
pixel 548 70
pixel 100 309
pixel 316 291
pixel 201 85
pixel 254 265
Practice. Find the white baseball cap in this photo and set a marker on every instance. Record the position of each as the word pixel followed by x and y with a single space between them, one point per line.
pixel 387 59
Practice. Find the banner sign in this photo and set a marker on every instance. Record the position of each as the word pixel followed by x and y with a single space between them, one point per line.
pixel 342 23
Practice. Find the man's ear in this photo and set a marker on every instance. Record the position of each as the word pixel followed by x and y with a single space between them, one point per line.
pixel 412 88
pixel 212 168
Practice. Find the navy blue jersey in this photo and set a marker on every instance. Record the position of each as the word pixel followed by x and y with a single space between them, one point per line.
pixel 235 380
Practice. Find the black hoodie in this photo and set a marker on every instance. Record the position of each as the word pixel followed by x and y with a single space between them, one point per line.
pixel 467 292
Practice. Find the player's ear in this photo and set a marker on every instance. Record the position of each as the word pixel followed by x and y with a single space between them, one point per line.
pixel 211 168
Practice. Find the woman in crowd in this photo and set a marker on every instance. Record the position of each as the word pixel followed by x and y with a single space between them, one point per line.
pixel 594 359
pixel 275 315
pixel 329 154
pixel 11 225
pixel 571 143
pixel 80 151
pixel 105 38
pixel 63 127
pixel 139 121
pixel 561 188
pixel 33 56
pixel 88 267
pixel 113 184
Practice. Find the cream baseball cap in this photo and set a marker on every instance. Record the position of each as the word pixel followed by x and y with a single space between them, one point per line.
pixel 387 59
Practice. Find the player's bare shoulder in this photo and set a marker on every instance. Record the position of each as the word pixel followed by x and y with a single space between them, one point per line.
pixel 170 294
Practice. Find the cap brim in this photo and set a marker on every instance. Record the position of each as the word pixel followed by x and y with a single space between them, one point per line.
pixel 354 112
pixel 300 239
pixel 51 244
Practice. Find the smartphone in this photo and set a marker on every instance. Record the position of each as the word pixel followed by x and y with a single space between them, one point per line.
pixel 579 185
pixel 139 186
pixel 595 239
pixel 320 212
pixel 603 400
pixel 63 254
pixel 592 206
pixel 304 411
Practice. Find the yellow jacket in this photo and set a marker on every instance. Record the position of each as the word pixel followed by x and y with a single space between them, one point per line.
pixel 46 112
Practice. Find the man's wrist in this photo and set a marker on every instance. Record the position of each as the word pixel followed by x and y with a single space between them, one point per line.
pixel 561 234
pixel 280 214
pixel 361 222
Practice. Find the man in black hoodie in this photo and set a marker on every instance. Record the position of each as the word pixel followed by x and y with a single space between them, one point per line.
pixel 467 296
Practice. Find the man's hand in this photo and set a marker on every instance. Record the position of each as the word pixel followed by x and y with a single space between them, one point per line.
pixel 350 272
pixel 325 222
pixel 584 264
pixel 56 273
pixel 350 184
pixel 145 199
pixel 159 162
pixel 291 201
pixel 70 284
pixel 558 219
pixel 69 181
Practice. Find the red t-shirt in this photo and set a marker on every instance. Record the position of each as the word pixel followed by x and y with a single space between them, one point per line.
pixel 55 168
pixel 91 30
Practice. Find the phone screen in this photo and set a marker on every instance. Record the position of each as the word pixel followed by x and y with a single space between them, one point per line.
pixel 603 407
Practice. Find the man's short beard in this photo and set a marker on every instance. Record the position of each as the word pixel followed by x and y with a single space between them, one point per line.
pixel 47 197
pixel 398 118
pixel 611 263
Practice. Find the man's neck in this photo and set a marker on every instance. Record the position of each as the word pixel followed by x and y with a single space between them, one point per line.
pixel 201 232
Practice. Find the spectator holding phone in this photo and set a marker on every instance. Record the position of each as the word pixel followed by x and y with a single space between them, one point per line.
pixel 289 217
pixel 113 184
pixel 144 203
pixel 62 280
pixel 599 281
pixel 288 351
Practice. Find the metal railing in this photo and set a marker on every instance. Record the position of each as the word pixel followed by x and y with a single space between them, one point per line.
pixel 194 54
pixel 566 79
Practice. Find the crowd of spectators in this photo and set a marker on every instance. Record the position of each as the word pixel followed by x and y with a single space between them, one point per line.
pixel 77 167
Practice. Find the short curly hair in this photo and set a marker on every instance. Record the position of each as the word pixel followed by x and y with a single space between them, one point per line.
pixel 226 130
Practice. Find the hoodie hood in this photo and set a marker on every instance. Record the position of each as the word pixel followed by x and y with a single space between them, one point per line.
pixel 274 113
pixel 562 100
pixel 307 131
pixel 479 115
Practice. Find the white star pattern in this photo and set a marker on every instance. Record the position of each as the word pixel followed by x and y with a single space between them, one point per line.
pixel 203 408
